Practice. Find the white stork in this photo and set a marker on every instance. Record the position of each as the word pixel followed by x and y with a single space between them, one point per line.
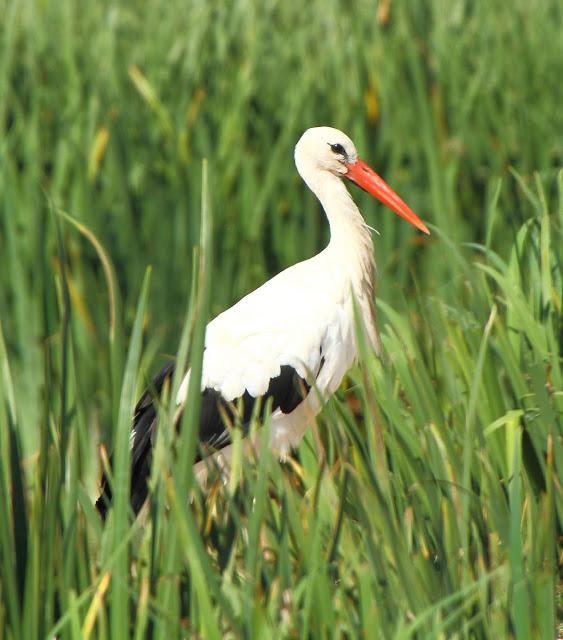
pixel 292 339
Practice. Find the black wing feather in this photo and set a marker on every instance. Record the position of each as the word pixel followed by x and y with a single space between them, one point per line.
pixel 144 426
pixel 287 391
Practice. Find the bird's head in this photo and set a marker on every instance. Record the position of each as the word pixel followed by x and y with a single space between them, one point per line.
pixel 325 149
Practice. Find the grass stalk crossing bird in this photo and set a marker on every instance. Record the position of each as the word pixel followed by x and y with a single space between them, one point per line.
pixel 293 339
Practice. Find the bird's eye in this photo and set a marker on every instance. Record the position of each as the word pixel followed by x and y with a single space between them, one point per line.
pixel 338 148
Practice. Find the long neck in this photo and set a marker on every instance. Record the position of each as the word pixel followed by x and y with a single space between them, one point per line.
pixel 350 238
pixel 350 247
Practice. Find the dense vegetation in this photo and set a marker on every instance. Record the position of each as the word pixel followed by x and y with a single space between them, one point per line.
pixel 426 502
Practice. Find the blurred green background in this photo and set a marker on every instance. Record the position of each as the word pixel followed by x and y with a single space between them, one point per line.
pixel 107 110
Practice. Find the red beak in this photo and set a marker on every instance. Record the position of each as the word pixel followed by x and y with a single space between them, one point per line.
pixel 366 178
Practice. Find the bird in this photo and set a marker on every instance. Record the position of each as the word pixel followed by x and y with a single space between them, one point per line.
pixel 292 340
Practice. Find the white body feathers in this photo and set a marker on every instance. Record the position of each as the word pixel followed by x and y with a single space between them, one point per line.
pixel 303 317
pixel 293 339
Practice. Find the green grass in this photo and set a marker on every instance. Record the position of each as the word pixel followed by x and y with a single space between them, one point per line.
pixel 426 502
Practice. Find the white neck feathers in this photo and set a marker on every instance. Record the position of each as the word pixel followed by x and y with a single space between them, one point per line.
pixel 350 237
pixel 350 244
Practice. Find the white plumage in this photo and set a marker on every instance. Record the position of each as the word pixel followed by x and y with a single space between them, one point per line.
pixel 296 328
pixel 305 313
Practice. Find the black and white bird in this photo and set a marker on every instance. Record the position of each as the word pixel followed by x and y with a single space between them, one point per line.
pixel 292 339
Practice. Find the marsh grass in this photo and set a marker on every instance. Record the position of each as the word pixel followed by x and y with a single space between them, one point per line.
pixel 426 500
